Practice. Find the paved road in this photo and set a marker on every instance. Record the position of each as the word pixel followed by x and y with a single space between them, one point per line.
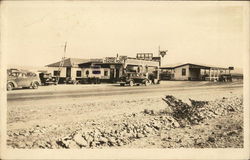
pixel 81 91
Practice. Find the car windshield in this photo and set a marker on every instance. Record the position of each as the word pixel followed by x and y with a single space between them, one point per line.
pixel 31 74
pixel 21 74
pixel 14 74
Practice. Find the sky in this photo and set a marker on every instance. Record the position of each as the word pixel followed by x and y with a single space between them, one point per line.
pixel 195 32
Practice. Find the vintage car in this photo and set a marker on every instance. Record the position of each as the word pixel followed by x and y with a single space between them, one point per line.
pixel 22 79
pixel 132 79
pixel 47 79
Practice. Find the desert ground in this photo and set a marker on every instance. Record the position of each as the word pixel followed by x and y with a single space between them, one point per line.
pixel 173 114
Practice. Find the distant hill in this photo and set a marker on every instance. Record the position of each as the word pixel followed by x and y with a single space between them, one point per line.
pixel 237 71
pixel 29 68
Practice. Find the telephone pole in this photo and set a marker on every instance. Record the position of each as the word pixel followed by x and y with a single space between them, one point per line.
pixel 61 63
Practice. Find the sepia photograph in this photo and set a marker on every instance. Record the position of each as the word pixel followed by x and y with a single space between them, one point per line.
pixel 128 76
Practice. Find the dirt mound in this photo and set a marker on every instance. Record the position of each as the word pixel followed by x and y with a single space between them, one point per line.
pixel 198 111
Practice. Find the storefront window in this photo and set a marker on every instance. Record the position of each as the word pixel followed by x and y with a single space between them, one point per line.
pixel 105 73
pixel 183 71
pixel 78 73
pixel 56 73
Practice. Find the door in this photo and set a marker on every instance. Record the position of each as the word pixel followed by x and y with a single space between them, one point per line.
pixel 23 80
pixel 68 72
pixel 112 74
pixel 117 74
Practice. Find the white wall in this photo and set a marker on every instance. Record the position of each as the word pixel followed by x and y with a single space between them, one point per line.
pixel 73 72
pixel 101 76
pixel 52 69
pixel 178 73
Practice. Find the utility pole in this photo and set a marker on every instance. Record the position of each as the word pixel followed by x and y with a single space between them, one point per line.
pixel 61 63
pixel 159 50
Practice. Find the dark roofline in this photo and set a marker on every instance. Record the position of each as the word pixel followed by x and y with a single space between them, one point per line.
pixel 201 66
pixel 69 60
pixel 166 67
pixel 98 63
pixel 207 67
pixel 54 64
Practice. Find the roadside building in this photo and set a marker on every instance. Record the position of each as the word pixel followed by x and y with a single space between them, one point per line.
pixel 112 68
pixel 69 69
pixel 189 71
pixel 103 70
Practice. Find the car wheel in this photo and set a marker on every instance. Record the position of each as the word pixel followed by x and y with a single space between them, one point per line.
pixel 34 85
pixel 10 86
pixel 131 83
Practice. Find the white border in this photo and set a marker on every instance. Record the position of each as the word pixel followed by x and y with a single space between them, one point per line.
pixel 131 153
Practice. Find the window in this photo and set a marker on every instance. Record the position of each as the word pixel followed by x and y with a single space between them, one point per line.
pixel 78 74
pixel 105 73
pixel 96 72
pixel 56 73
pixel 87 72
pixel 183 71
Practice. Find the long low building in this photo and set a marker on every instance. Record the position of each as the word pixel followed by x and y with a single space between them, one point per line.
pixel 189 71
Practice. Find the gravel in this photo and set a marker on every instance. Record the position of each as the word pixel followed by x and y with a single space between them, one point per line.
pixel 169 124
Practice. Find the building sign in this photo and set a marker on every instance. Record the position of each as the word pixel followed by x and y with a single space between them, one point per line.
pixel 139 62
pixel 158 59
pixel 110 60
pixel 144 56
pixel 163 53
pixel 122 59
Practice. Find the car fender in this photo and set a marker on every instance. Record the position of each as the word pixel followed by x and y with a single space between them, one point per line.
pixel 35 82
pixel 13 82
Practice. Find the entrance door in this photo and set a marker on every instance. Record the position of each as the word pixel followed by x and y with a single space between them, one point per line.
pixel 117 73
pixel 112 74
pixel 22 80
pixel 194 74
pixel 68 72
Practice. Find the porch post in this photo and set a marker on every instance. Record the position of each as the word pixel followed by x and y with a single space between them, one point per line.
pixel 217 74
pixel 209 74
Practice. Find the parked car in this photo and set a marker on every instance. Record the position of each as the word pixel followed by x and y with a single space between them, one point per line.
pixel 22 79
pixel 132 79
pixel 47 79
pixel 69 80
pixel 225 78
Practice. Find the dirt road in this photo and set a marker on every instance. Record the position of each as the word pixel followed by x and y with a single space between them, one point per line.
pixel 50 93
pixel 57 111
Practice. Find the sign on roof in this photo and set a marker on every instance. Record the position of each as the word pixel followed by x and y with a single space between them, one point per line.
pixel 231 68
pixel 144 56
pixel 122 59
pixel 110 60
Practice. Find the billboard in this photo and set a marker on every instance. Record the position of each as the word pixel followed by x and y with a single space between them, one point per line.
pixel 110 60
pixel 144 56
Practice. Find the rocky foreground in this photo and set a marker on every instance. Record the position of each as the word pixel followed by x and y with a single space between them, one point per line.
pixel 200 124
